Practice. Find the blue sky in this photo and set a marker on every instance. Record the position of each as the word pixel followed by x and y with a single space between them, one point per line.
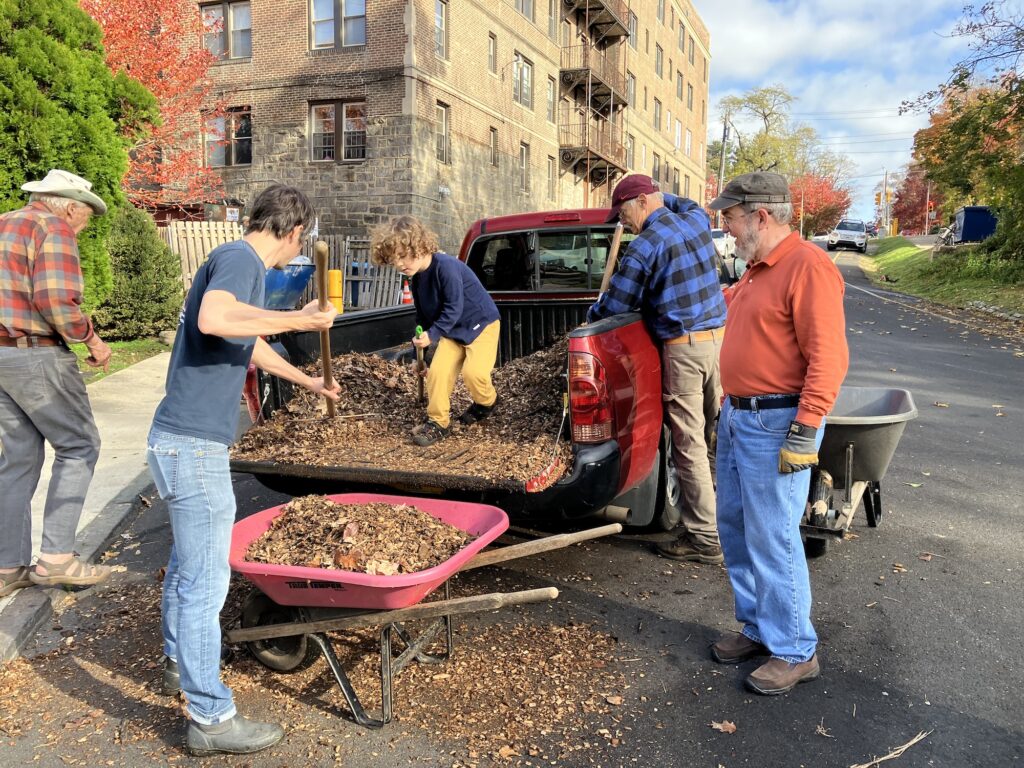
pixel 849 64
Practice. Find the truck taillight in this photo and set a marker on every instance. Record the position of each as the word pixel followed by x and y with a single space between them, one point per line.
pixel 590 407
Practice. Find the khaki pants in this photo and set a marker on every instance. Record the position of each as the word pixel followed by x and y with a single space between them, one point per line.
pixel 476 361
pixel 692 392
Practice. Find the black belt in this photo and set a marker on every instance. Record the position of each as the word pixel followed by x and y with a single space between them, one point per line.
pixel 764 402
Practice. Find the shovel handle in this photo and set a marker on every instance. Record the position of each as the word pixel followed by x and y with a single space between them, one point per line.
pixel 320 257
pixel 613 257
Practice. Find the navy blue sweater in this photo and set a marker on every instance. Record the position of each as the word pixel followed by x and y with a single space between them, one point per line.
pixel 450 301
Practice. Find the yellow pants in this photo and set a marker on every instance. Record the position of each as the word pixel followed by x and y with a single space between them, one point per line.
pixel 476 361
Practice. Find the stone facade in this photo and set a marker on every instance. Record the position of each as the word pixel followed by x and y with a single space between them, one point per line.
pixel 402 80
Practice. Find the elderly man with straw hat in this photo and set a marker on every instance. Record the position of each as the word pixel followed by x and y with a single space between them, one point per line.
pixel 42 395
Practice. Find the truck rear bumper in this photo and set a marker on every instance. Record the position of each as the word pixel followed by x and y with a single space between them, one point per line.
pixel 592 485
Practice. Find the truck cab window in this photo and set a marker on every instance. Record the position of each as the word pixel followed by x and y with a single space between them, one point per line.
pixel 502 263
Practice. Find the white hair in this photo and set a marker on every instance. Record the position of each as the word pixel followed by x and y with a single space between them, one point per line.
pixel 781 212
pixel 55 203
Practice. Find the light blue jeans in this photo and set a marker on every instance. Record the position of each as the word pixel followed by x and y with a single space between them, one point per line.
pixel 192 475
pixel 759 513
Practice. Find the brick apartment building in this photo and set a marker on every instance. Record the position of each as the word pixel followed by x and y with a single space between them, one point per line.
pixel 452 110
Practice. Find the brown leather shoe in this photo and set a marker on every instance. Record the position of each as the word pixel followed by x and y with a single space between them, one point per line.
pixel 734 648
pixel 686 548
pixel 777 676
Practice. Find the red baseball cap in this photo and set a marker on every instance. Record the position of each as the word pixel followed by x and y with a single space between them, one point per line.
pixel 628 189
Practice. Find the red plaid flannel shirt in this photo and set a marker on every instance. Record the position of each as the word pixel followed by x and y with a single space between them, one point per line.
pixel 40 276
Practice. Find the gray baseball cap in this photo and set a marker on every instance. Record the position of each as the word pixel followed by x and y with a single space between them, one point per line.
pixel 757 187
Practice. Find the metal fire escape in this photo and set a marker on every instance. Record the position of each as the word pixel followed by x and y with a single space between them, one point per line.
pixel 592 73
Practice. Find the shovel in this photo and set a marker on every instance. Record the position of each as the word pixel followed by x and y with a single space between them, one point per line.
pixel 320 252
pixel 421 365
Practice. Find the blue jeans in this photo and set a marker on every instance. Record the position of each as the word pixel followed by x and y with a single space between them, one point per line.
pixel 759 513
pixel 192 475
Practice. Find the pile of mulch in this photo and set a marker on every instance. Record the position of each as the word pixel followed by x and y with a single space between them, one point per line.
pixel 378 411
pixel 377 538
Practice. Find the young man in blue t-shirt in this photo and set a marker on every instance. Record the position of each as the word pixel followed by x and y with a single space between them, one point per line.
pixel 457 313
pixel 218 335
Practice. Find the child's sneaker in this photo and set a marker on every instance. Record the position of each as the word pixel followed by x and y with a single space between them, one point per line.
pixel 430 433
pixel 477 412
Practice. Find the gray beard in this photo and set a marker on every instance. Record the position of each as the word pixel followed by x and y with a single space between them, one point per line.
pixel 746 244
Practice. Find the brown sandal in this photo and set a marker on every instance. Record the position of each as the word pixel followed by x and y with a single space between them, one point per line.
pixel 74 573
pixel 9 582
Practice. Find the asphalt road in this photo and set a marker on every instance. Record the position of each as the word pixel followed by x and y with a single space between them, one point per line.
pixel 919 619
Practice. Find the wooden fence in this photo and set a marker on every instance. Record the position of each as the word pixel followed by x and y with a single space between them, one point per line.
pixel 366 285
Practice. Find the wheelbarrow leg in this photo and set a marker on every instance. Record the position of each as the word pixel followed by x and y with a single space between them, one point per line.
pixel 358 713
pixel 873 503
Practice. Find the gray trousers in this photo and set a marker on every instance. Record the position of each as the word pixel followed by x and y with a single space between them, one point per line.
pixel 692 392
pixel 43 399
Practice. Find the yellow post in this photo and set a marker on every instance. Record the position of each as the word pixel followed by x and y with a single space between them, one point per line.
pixel 336 289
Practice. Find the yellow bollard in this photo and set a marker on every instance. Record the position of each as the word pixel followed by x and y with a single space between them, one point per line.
pixel 336 289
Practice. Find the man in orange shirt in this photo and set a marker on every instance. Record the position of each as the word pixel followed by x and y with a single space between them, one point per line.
pixel 783 359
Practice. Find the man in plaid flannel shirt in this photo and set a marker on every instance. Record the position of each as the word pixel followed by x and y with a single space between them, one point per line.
pixel 42 395
pixel 669 274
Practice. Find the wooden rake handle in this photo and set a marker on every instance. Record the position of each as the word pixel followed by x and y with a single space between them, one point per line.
pixel 320 257
pixel 613 257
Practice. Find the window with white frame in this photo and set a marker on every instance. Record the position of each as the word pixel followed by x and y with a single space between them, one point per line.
pixel 441 28
pixel 686 186
pixel 679 85
pixel 693 49
pixel 630 89
pixel 525 7
pixel 630 151
pixel 553 18
pixel 656 166
pixel 522 80
pixel 682 37
pixel 227 30
pixel 689 97
pixel 337 124
pixel 675 181
pixel 689 143
pixel 668 120
pixel 552 177
pixel 659 60
pixel 228 138
pixel 492 53
pixel 657 115
pixel 661 11
pixel 326 32
pixel 552 98
pixel 444 138
pixel 679 134
pixel 524 166
pixel 633 28
pixel 494 147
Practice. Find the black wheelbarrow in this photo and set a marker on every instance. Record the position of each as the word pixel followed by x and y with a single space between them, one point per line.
pixel 860 439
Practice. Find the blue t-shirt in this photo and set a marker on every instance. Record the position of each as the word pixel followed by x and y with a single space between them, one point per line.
pixel 451 302
pixel 207 373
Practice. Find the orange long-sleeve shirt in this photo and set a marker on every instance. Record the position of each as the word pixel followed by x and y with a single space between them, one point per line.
pixel 786 330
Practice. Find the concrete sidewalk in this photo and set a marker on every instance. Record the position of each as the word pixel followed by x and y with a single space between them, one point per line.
pixel 123 404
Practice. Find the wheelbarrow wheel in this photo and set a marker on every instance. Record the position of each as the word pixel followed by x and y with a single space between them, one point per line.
pixel 283 654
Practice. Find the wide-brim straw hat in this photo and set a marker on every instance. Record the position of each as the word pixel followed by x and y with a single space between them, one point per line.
pixel 65 184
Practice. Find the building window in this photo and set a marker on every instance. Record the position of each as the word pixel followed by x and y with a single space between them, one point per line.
pixel 227 30
pixel 632 29
pixel 441 29
pixel 675 182
pixel 552 177
pixel 689 97
pixel 668 120
pixel 525 7
pixel 645 98
pixel 494 147
pixel 682 38
pixel 693 49
pixel 552 98
pixel 705 60
pixel 679 85
pixel 661 11
pixel 659 59
pixel 703 111
pixel 631 89
pixel 686 186
pixel 524 166
pixel 657 115
pixel 689 143
pixel 630 151
pixel 444 137
pixel 679 135
pixel 228 139
pixel 656 167
pixel 326 33
pixel 492 54
pixel 328 132
pixel 553 18
pixel 522 81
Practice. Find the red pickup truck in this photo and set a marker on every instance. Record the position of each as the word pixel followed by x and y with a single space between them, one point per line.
pixel 543 271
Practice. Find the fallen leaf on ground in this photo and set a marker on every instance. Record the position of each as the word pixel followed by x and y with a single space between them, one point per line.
pixel 899 568
pixel 614 700
pixel 914 485
pixel 725 726
pixel 926 556
pixel 937 404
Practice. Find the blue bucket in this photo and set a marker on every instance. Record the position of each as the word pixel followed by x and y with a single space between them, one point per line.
pixel 284 287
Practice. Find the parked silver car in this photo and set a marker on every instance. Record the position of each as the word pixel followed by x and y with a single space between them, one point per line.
pixel 850 233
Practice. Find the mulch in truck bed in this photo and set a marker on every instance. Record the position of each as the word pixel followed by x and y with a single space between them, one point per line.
pixel 377 538
pixel 378 411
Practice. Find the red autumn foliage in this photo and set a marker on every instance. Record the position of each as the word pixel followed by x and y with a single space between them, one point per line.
pixel 909 205
pixel 821 202
pixel 158 44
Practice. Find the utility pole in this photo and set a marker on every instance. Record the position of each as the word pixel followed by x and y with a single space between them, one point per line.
pixel 801 211
pixel 927 209
pixel 721 164
pixel 885 201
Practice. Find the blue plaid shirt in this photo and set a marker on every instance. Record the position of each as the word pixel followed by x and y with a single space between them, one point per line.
pixel 669 273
